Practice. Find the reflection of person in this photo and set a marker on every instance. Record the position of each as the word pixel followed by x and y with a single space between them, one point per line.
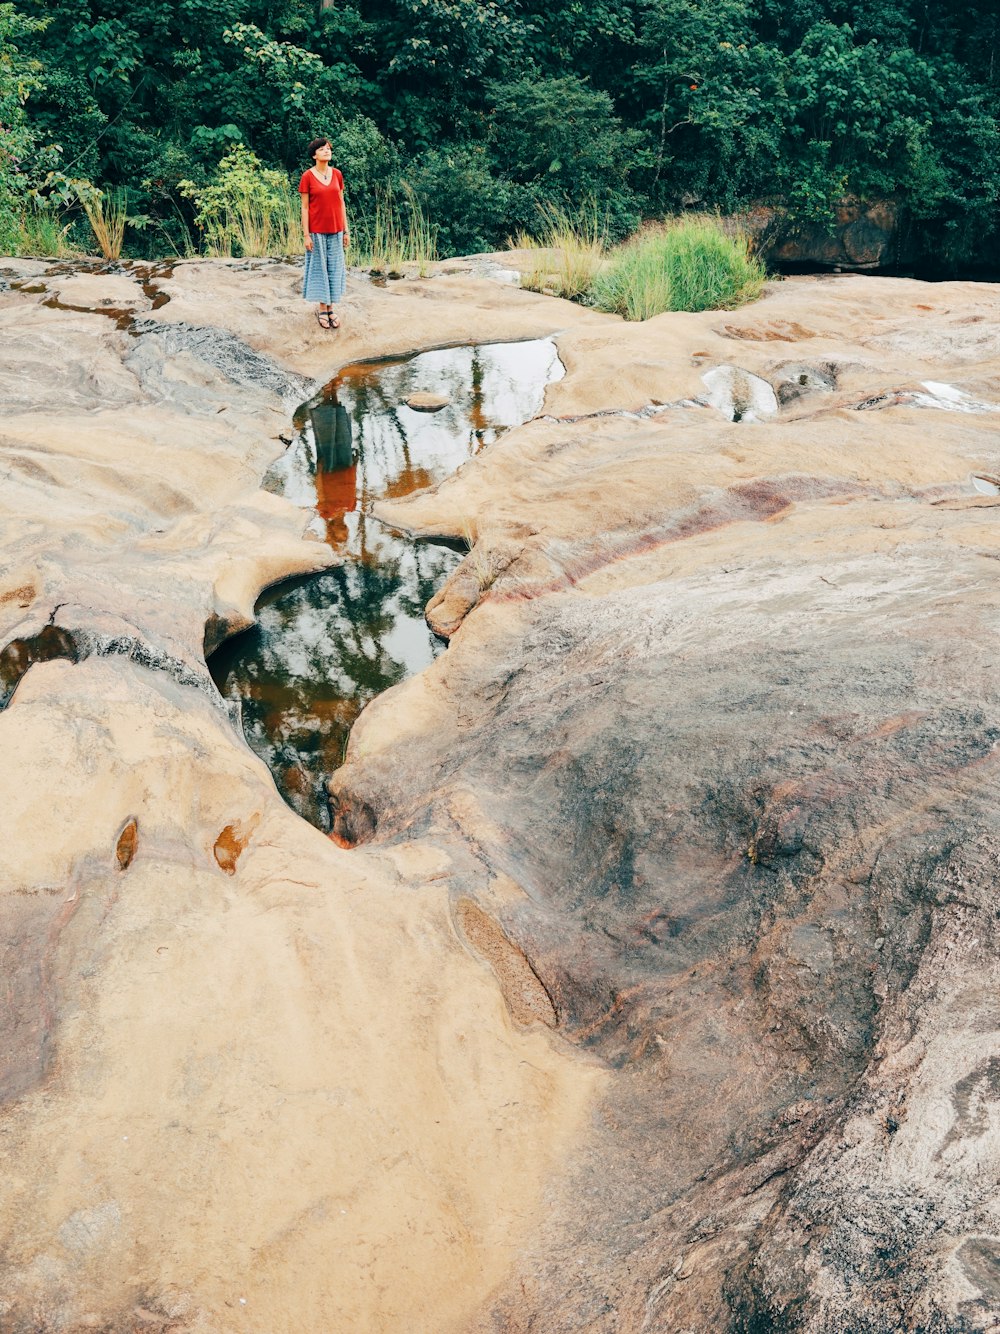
pixel 331 426
pixel 325 232
pixel 336 472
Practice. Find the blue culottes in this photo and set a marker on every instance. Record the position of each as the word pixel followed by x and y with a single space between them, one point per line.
pixel 326 273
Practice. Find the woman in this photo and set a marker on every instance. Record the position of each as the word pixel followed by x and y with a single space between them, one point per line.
pixel 324 227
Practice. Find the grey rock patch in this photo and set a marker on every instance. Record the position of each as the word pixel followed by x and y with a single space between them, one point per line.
pixel 235 360
pixel 793 380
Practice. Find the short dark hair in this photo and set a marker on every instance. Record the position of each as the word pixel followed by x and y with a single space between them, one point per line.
pixel 314 145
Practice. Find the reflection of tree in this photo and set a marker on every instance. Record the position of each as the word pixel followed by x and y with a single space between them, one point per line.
pixel 477 415
pixel 431 566
pixel 327 645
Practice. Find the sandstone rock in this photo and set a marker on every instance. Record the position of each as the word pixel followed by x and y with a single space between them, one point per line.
pixel 794 380
pixel 423 402
pixel 743 870
pixel 657 991
pixel 247 1084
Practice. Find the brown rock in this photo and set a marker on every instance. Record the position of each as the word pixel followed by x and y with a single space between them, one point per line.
pixel 291 1095
pixel 422 402
pixel 126 844
pixel 860 234
pixel 707 775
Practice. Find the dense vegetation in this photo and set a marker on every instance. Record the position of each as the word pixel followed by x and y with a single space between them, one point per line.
pixel 488 109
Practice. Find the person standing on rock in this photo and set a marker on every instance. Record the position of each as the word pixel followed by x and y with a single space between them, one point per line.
pixel 324 228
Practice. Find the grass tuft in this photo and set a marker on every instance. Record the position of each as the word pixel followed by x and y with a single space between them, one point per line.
pixel 477 557
pixel 256 227
pixel 106 214
pixel 570 252
pixel 691 264
pixel 43 233
pixel 397 233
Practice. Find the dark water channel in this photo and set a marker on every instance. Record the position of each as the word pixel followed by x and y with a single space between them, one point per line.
pixel 324 646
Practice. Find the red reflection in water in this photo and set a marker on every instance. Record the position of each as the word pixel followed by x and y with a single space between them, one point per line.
pixel 336 467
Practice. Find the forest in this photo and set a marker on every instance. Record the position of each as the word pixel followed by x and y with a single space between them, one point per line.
pixel 488 112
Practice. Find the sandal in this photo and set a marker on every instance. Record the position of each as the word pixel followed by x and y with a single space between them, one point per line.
pixel 334 322
pixel 323 319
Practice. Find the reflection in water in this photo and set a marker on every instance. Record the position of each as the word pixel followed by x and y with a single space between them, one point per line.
pixel 326 645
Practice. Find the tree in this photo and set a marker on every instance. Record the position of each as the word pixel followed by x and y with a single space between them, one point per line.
pixel 19 78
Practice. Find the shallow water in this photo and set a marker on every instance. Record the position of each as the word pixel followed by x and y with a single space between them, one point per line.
pixel 324 646
pixel 739 395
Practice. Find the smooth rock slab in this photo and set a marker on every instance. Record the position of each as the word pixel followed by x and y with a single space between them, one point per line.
pixel 660 991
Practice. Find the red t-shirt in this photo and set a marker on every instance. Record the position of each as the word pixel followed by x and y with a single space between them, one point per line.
pixel 326 202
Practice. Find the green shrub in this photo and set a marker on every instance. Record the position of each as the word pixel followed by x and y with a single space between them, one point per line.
pixel 44 232
pixel 370 162
pixel 18 79
pixel 246 208
pixel 692 264
pixel 455 188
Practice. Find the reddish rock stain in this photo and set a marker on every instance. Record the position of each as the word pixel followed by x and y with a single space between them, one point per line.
pixel 232 842
pixel 127 842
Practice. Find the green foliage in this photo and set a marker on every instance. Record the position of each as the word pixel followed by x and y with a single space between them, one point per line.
pixel 872 122
pixel 371 162
pixel 471 206
pixel 18 79
pixel 246 208
pixel 694 264
pixel 493 108
pixel 43 232
pixel 560 136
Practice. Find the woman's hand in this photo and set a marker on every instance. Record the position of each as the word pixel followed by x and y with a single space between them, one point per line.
pixel 347 239
pixel 309 242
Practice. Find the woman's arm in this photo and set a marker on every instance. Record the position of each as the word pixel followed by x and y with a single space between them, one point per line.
pixel 305 222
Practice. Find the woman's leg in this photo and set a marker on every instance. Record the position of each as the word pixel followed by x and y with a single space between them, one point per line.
pixel 316 280
pixel 336 272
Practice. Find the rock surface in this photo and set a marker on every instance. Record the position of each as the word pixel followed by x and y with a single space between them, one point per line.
pixel 248 1080
pixel 658 992
pixel 860 234
pixel 723 728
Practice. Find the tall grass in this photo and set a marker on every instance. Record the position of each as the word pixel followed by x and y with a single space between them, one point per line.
pixel 396 233
pixel 690 264
pixel 43 233
pixel 255 226
pixel 570 252
pixel 106 214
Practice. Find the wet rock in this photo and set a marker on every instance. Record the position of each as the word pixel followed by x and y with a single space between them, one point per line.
pixel 18 655
pixel 353 820
pixel 738 395
pixel 426 402
pixel 239 363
